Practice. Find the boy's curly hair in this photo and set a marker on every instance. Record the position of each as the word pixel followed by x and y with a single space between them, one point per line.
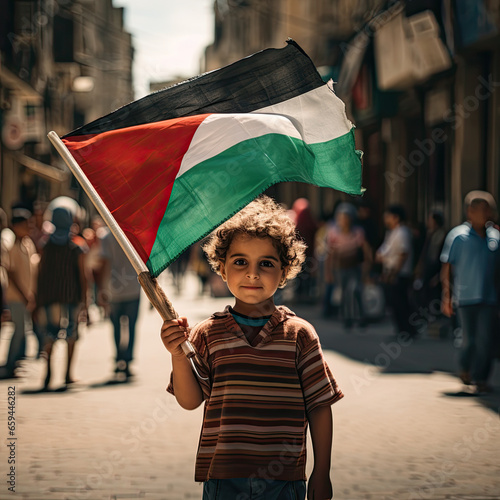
pixel 261 218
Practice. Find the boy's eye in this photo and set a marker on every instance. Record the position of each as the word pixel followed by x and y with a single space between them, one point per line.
pixel 266 263
pixel 240 262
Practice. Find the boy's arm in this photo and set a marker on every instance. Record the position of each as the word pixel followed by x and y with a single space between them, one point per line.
pixel 187 390
pixel 186 387
pixel 321 427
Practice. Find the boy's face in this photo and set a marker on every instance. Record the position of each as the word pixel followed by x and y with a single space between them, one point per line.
pixel 253 272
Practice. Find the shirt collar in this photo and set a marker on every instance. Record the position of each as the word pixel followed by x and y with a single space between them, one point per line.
pixel 280 314
pixel 492 235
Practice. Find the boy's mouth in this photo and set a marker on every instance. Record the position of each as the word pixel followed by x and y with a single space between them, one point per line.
pixel 250 287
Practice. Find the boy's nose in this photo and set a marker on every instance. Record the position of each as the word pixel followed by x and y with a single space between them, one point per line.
pixel 253 274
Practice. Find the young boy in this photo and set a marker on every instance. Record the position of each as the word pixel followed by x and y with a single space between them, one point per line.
pixel 267 379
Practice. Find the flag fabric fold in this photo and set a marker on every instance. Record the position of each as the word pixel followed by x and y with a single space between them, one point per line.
pixel 175 164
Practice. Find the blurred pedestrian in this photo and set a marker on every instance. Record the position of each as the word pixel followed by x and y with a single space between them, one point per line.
pixel 396 256
pixel 199 265
pixel 306 226
pixel 37 233
pixel 348 250
pixel 19 262
pixel 119 294
pixel 427 272
pixel 62 289
pixel 93 260
pixel 328 308
pixel 321 255
pixel 4 314
pixel 470 259
pixel 178 270
pixel 39 237
pixel 366 222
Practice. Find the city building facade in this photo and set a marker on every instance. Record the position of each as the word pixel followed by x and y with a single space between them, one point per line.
pixel 63 63
pixel 420 80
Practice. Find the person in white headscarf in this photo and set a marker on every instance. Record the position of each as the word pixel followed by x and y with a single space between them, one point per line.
pixel 62 289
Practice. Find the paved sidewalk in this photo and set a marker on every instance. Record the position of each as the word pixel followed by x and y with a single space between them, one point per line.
pixel 401 432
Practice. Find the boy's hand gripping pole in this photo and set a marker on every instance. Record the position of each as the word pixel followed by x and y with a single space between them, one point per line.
pixel 160 301
pixel 149 284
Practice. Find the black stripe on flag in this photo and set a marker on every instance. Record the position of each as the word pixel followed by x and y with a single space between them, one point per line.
pixel 262 79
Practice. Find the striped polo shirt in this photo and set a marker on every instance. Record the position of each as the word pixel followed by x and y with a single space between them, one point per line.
pixel 258 396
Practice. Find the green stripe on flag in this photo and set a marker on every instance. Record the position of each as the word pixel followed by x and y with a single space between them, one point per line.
pixel 215 189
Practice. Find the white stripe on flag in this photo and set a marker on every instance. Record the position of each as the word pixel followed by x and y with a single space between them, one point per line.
pixel 316 116
pixel 319 115
pixel 219 132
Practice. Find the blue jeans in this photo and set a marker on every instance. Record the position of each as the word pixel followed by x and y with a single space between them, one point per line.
pixel 130 309
pixel 477 340
pixel 253 489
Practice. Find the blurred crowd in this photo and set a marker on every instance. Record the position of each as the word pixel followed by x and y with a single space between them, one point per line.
pixel 428 277
pixel 357 268
pixel 52 269
pixel 359 265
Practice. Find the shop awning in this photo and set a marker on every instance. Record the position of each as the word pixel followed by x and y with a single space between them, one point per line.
pixel 355 49
pixel 351 64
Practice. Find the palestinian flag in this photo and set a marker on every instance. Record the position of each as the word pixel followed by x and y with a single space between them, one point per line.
pixel 175 164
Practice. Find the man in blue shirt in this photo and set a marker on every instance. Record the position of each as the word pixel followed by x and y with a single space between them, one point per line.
pixel 470 256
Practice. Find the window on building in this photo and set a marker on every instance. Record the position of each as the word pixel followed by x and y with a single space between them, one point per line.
pixel 63 39
pixel 24 13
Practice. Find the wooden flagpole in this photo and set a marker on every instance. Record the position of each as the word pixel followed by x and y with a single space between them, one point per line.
pixel 150 285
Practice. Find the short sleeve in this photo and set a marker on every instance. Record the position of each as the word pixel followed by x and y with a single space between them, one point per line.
pixel 198 340
pixel 404 240
pixel 318 385
pixel 331 237
pixel 449 249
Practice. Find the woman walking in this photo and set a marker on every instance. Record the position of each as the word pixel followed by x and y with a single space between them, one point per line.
pixel 62 289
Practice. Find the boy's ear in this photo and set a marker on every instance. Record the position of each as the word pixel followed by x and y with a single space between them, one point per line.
pixel 222 270
pixel 284 274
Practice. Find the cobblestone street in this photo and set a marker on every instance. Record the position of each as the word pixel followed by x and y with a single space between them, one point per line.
pixel 403 432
